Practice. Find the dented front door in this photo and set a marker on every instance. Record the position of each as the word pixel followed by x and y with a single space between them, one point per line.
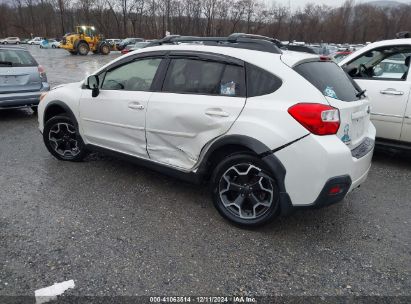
pixel 179 125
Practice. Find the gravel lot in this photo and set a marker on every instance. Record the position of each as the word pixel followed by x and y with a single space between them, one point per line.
pixel 119 229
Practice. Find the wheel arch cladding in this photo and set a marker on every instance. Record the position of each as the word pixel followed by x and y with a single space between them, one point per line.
pixel 57 107
pixel 248 144
pixel 253 145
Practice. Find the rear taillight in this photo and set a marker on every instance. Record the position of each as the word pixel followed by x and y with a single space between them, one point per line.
pixel 42 73
pixel 317 118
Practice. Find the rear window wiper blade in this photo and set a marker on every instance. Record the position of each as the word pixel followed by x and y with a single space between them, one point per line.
pixel 360 94
pixel 9 63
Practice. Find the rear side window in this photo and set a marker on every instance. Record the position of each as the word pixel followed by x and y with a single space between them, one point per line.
pixel 260 82
pixel 329 78
pixel 194 76
pixel 16 58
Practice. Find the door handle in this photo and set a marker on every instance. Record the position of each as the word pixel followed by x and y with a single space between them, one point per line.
pixel 220 113
pixel 135 106
pixel 391 92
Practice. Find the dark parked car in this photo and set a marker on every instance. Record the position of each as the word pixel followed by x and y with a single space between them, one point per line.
pixel 22 79
pixel 128 41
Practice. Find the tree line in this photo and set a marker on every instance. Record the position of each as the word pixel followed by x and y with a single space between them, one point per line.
pixel 351 22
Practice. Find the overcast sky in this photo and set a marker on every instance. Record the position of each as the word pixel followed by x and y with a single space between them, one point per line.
pixel 298 3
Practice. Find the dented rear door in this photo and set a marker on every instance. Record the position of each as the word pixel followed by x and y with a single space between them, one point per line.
pixel 200 100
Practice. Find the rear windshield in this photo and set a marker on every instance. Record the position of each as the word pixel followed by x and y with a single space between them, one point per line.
pixel 16 58
pixel 329 78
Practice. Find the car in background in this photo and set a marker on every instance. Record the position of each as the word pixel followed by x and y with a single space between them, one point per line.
pixel 49 44
pixel 382 69
pixel 128 41
pixel 24 41
pixel 11 40
pixel 133 47
pixel 36 40
pixel 22 79
pixel 340 55
pixel 113 42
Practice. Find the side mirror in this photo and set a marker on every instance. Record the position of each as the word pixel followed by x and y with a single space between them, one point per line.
pixel 93 84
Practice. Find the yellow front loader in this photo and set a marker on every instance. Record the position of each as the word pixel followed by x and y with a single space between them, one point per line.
pixel 85 40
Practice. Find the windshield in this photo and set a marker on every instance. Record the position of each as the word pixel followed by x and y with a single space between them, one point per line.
pixel 16 58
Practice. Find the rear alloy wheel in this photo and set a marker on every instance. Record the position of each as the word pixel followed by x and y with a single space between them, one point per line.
pixel 83 48
pixel 62 139
pixel 244 191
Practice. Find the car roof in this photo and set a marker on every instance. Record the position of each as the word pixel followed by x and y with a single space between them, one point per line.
pixel 240 53
pixel 265 60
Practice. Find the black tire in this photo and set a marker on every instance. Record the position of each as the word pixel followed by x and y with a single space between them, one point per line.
pixel 104 49
pixel 63 140
pixel 53 46
pixel 83 48
pixel 255 193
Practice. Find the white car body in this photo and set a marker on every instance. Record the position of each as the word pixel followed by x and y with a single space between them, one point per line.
pixel 389 95
pixel 50 43
pixel 35 41
pixel 177 130
pixel 11 40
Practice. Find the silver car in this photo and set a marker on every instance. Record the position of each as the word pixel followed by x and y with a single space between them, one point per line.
pixel 22 79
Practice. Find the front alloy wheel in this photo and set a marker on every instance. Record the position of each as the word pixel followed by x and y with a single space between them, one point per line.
pixel 244 191
pixel 62 139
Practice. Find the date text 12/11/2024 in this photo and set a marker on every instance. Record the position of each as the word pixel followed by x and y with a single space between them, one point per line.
pixel 202 299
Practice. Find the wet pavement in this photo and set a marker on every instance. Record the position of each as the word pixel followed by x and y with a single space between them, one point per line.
pixel 120 229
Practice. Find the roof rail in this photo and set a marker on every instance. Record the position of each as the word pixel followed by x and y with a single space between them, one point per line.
pixel 278 43
pixel 236 40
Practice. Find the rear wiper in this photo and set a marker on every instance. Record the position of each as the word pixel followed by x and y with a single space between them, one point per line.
pixel 360 93
pixel 9 63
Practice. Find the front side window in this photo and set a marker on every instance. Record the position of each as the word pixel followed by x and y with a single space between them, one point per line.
pixel 390 63
pixel 134 76
pixel 194 76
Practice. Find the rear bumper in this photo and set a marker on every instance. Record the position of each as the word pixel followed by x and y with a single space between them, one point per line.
pixel 21 99
pixel 315 163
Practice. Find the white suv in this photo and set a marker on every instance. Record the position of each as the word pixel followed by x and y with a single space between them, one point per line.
pixel 11 40
pixel 270 130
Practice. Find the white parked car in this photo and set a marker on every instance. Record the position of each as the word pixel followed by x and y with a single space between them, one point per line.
pixel 382 69
pixel 36 40
pixel 49 44
pixel 229 115
pixel 11 40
